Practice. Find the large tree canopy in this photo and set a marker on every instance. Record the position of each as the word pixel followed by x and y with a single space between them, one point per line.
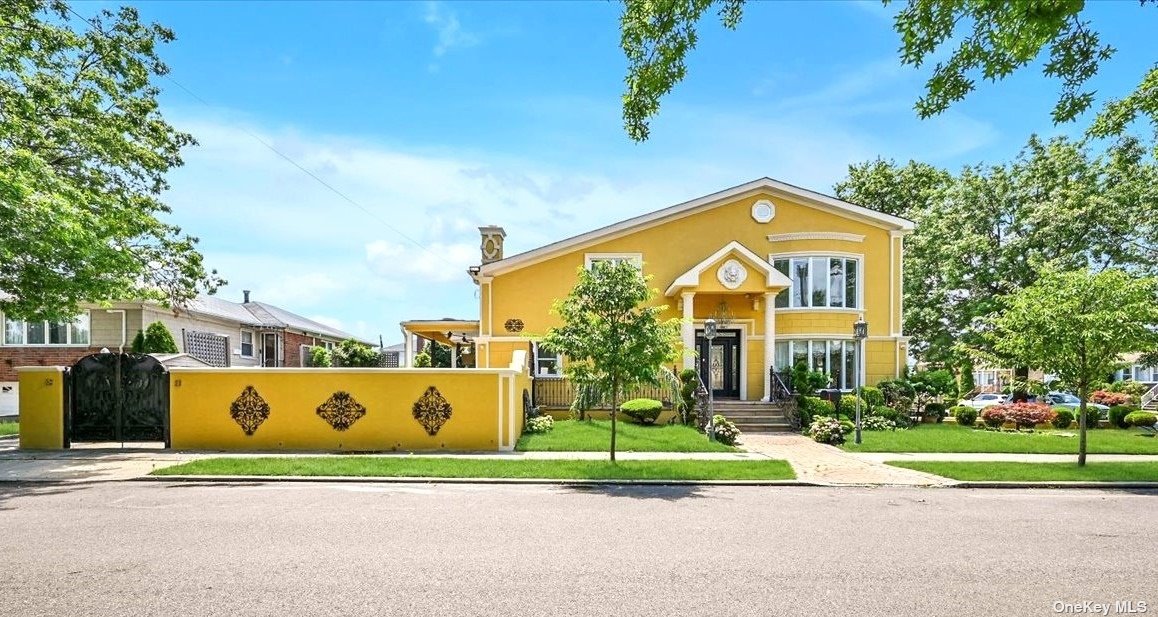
pixel 981 232
pixel 83 155
pixel 978 38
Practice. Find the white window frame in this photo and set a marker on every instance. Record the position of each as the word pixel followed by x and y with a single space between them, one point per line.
pixel 848 348
pixel 241 343
pixel 860 280
pixel 558 358
pixel 67 332
pixel 590 258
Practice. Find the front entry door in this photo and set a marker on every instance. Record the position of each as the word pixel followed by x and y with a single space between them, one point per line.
pixel 720 362
pixel 269 349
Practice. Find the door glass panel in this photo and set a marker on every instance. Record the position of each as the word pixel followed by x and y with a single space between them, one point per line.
pixel 716 367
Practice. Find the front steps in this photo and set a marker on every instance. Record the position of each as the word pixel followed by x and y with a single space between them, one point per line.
pixel 753 416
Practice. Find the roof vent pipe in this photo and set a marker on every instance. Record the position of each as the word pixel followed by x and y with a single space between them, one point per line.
pixel 245 293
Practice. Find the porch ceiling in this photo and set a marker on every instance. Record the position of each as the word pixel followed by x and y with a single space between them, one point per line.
pixel 732 269
pixel 438 329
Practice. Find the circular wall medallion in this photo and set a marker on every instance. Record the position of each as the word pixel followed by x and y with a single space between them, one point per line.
pixel 514 325
pixel 732 274
pixel 763 211
pixel 491 247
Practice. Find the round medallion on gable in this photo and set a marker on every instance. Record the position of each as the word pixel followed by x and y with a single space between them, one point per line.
pixel 732 274
pixel 763 211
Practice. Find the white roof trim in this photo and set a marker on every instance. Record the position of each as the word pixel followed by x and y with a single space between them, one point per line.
pixel 691 278
pixel 816 235
pixel 821 201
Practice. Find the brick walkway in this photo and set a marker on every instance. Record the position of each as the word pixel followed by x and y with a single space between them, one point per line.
pixel 819 463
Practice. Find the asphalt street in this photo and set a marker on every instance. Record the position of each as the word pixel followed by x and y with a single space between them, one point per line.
pixel 137 548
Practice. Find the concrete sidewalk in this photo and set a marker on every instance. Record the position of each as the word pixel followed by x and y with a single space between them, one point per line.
pixel 995 457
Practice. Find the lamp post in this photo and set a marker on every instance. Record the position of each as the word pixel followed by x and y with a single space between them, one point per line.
pixel 860 333
pixel 710 331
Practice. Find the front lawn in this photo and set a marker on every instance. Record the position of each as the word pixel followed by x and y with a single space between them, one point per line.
pixel 953 438
pixel 595 436
pixel 9 428
pixel 438 467
pixel 1037 472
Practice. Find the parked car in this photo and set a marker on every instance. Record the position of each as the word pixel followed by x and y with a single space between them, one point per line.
pixel 1069 401
pixel 981 401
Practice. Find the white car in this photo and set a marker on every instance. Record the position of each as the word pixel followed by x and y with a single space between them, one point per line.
pixel 981 401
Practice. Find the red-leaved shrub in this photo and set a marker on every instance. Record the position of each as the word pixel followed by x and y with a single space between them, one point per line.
pixel 1103 397
pixel 1024 415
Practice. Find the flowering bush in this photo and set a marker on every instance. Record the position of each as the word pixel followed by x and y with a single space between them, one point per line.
pixel 726 431
pixel 539 424
pixel 1024 415
pixel 1104 397
pixel 993 416
pixel 877 423
pixel 826 429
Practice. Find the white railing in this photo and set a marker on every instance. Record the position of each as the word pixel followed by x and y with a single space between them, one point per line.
pixel 1150 396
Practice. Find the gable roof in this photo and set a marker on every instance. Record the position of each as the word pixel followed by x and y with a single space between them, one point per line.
pixel 776 187
pixel 261 314
pixel 691 278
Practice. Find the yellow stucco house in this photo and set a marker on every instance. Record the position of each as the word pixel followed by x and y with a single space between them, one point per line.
pixel 786 270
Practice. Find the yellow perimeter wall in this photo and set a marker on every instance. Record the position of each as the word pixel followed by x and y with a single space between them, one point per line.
pixel 41 407
pixel 487 408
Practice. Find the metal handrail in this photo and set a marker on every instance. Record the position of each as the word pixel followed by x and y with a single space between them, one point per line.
pixel 1149 396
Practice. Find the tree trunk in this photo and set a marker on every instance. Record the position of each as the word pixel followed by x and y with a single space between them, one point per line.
pixel 614 408
pixel 1082 393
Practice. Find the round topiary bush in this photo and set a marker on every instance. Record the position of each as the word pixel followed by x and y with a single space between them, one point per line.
pixel 1117 415
pixel 642 410
pixel 965 415
pixel 1141 418
pixel 1063 419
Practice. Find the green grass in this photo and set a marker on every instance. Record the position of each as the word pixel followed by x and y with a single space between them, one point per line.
pixel 1037 472
pixel 953 438
pixel 430 467
pixel 595 436
pixel 9 428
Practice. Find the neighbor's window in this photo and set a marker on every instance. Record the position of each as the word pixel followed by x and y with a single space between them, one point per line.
pixel 247 343
pixel 820 282
pixel 835 358
pixel 613 258
pixel 547 363
pixel 18 332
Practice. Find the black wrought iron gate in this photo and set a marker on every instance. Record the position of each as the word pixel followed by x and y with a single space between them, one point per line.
pixel 118 397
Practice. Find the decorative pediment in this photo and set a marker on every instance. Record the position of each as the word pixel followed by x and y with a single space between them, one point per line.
pixel 732 267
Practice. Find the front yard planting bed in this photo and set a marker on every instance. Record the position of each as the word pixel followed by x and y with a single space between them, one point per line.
pixel 1037 472
pixel 434 467
pixel 952 438
pixel 9 428
pixel 595 436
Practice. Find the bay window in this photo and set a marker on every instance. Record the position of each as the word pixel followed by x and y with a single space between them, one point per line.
pixel 76 332
pixel 819 282
pixel 835 358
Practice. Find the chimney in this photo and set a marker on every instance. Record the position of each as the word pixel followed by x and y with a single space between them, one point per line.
pixel 245 294
pixel 492 243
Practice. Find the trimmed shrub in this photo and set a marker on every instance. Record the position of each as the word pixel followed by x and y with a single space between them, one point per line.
pixel 1093 417
pixel 965 415
pixel 1141 418
pixel 726 431
pixel 1104 397
pixel 899 419
pixel 812 406
pixel 320 356
pixel 156 338
pixel 877 423
pixel 935 410
pixel 689 382
pixel 1063 419
pixel 872 396
pixel 642 410
pixel 993 416
pixel 848 405
pixel 1028 415
pixel 539 424
pixel 1117 415
pixel 826 429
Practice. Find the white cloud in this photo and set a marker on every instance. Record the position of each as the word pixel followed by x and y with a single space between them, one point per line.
pixel 449 30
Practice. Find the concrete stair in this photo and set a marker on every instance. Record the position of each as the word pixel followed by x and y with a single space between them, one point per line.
pixel 753 416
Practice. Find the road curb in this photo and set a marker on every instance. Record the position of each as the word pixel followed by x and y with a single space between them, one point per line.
pixel 1058 484
pixel 425 480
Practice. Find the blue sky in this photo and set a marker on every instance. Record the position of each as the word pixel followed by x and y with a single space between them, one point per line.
pixel 438 117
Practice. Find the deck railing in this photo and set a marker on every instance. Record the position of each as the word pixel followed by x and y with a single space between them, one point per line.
pixel 559 393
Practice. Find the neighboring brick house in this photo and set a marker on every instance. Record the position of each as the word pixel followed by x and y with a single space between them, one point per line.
pixel 214 330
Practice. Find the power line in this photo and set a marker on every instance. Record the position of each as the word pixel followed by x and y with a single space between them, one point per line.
pixel 287 158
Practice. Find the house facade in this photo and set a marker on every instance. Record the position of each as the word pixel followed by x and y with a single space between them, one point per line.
pixel 785 272
pixel 213 330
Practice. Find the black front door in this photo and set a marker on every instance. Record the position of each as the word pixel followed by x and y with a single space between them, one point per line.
pixel 720 362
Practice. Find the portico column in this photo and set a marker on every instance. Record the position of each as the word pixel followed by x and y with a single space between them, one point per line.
pixel 688 329
pixel 408 338
pixel 769 342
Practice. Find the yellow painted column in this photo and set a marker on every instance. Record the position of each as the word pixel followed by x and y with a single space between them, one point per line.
pixel 769 341
pixel 41 407
pixel 688 329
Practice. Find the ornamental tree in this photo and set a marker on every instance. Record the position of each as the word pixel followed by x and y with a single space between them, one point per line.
pixel 1077 325
pixel 84 152
pixel 612 337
